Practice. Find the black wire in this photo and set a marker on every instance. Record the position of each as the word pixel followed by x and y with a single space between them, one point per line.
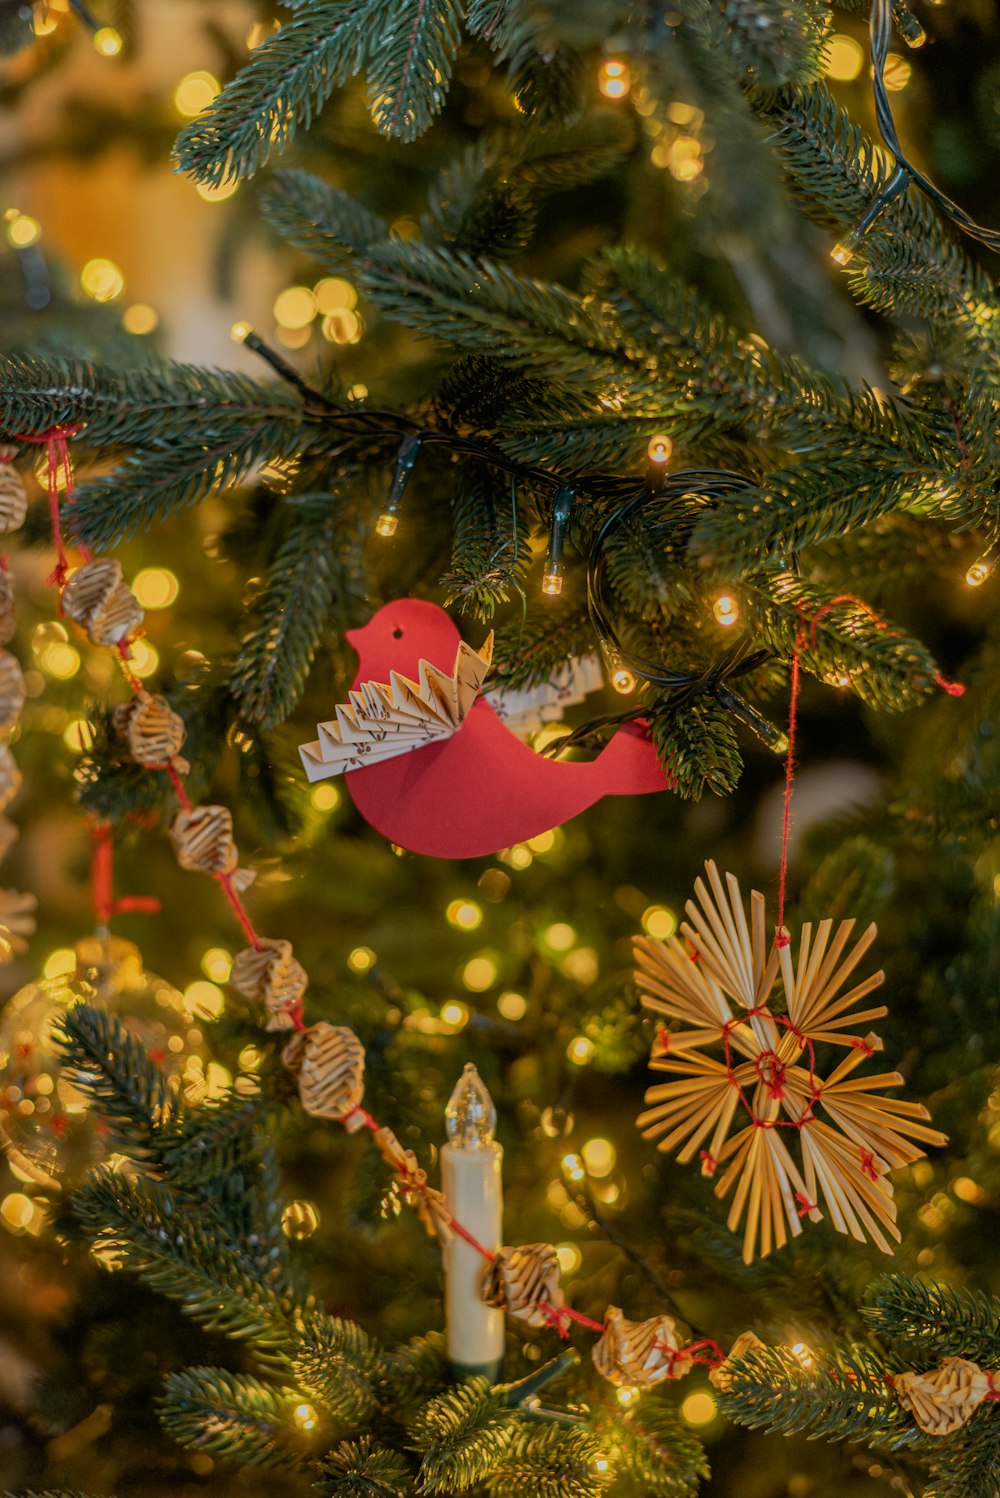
pixel 880 35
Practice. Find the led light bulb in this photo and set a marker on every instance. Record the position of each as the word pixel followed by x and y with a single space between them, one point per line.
pixel 726 610
pixel 562 508
pixel 984 566
pixel 387 524
pixel 659 448
pixel 623 679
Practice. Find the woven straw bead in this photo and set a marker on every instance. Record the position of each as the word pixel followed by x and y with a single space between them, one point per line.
pixel 96 597
pixel 722 1376
pixel 153 731
pixel 639 1353
pixel 522 1281
pixel 11 691
pixel 271 975
pixel 203 840
pixel 329 1062
pixel 941 1400
pixel 8 617
pixel 10 777
pixel 13 499
pixel 17 920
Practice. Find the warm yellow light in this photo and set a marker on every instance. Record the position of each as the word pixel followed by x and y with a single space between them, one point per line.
pixel 454 1015
pixel 335 295
pixel 44 21
pixel 479 974
pixel 293 338
pixel 358 393
pixel 295 307
pixel 143 659
pixel 204 1000
pixel 658 921
pixel 544 842
pixel 140 319
pixel 842 253
pixel 726 610
pixel 102 280
pixel 23 231
pixel 980 570
pixel 59 963
pixel 967 1190
pixel 250 1058
pixel 686 168
pixel 582 965
pixel 387 525
pixel 518 857
pixel 59 660
pixel 560 936
pixel 804 1354
pixel 599 1156
pixel 844 58
pixel 343 326
pixel 512 1006
pixel 216 192
pixel 552 584
pixel 17 1210
pixel 465 914
pixel 896 73
pixel 659 448
pixel 580 1050
pixel 361 960
pixel 305 1416
pixel 698 1409
pixel 572 1167
pixel 325 797
pixel 78 735
pixel 780 744
pixel 107 41
pixel 195 92
pixel 615 78
pixel 217 964
pixel 155 587
pixel 569 1256
pixel 300 1219
pixel 239 331
pixel 627 1395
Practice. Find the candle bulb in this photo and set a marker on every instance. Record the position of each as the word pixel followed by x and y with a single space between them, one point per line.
pixel 473 1190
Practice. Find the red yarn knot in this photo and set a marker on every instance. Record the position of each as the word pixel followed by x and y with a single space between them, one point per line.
pixel 805 1205
pixel 709 1164
pixel 663 1038
pixel 556 1316
pixel 953 688
pixel 782 939
pixel 771 1071
pixel 991 1378
pixel 868 1166
pixel 862 1045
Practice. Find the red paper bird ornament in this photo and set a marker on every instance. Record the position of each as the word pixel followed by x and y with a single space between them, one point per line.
pixel 470 787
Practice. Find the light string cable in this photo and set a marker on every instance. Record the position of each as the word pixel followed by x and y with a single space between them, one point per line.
pixel 880 35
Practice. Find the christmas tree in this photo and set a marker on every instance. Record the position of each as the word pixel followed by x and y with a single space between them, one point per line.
pixel 610 501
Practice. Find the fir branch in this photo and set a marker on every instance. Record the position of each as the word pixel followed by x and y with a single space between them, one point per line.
pixel 696 742
pixel 406 1376
pixel 658 1455
pixel 215 1141
pixel 337 1363
pixel 927 1322
pixel 461 1435
pixel 548 1462
pixel 844 1396
pixel 410 66
pixel 318 568
pixel 108 1065
pixel 773 42
pixel 362 1469
pixel 183 1254
pixel 232 1416
pixel 321 220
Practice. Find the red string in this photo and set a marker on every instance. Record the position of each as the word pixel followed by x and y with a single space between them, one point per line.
pixel 953 688
pixel 782 938
pixel 102 881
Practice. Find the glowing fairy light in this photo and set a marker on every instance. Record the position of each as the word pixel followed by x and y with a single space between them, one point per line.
pixel 726 610
pixel 659 448
pixel 615 78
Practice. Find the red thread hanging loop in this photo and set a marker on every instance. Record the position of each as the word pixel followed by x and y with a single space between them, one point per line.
pixel 102 879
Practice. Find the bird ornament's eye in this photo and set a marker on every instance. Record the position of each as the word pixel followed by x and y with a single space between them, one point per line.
pixel 397 633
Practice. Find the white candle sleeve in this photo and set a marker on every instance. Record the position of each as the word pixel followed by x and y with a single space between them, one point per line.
pixel 473 1189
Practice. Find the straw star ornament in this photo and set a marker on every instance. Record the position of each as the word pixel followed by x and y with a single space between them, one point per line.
pixel 715 989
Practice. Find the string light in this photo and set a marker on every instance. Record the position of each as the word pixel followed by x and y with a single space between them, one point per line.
pixel 23 231
pixel 580 1050
pixel 699 1409
pixel 909 27
pixel 454 1015
pixel 361 960
pixel 305 1416
pixel 240 331
pixel 622 679
pixel 775 738
pixel 599 1156
pixel 659 448
pixel 295 307
pixel 466 915
pixel 409 451
pixel 726 610
pixel 984 566
pixel 572 1167
pixel 804 1355
pixel 660 922
pixel 513 1006
pixel 615 78
pixel 844 59
pixel 480 973
pixel 195 92
pixel 562 509
pixel 102 280
pixel 140 319
pixel 107 41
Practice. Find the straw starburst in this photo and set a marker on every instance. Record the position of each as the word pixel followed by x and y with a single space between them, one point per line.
pixel 713 986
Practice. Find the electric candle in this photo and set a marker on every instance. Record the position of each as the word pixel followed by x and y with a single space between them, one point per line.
pixel 473 1189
